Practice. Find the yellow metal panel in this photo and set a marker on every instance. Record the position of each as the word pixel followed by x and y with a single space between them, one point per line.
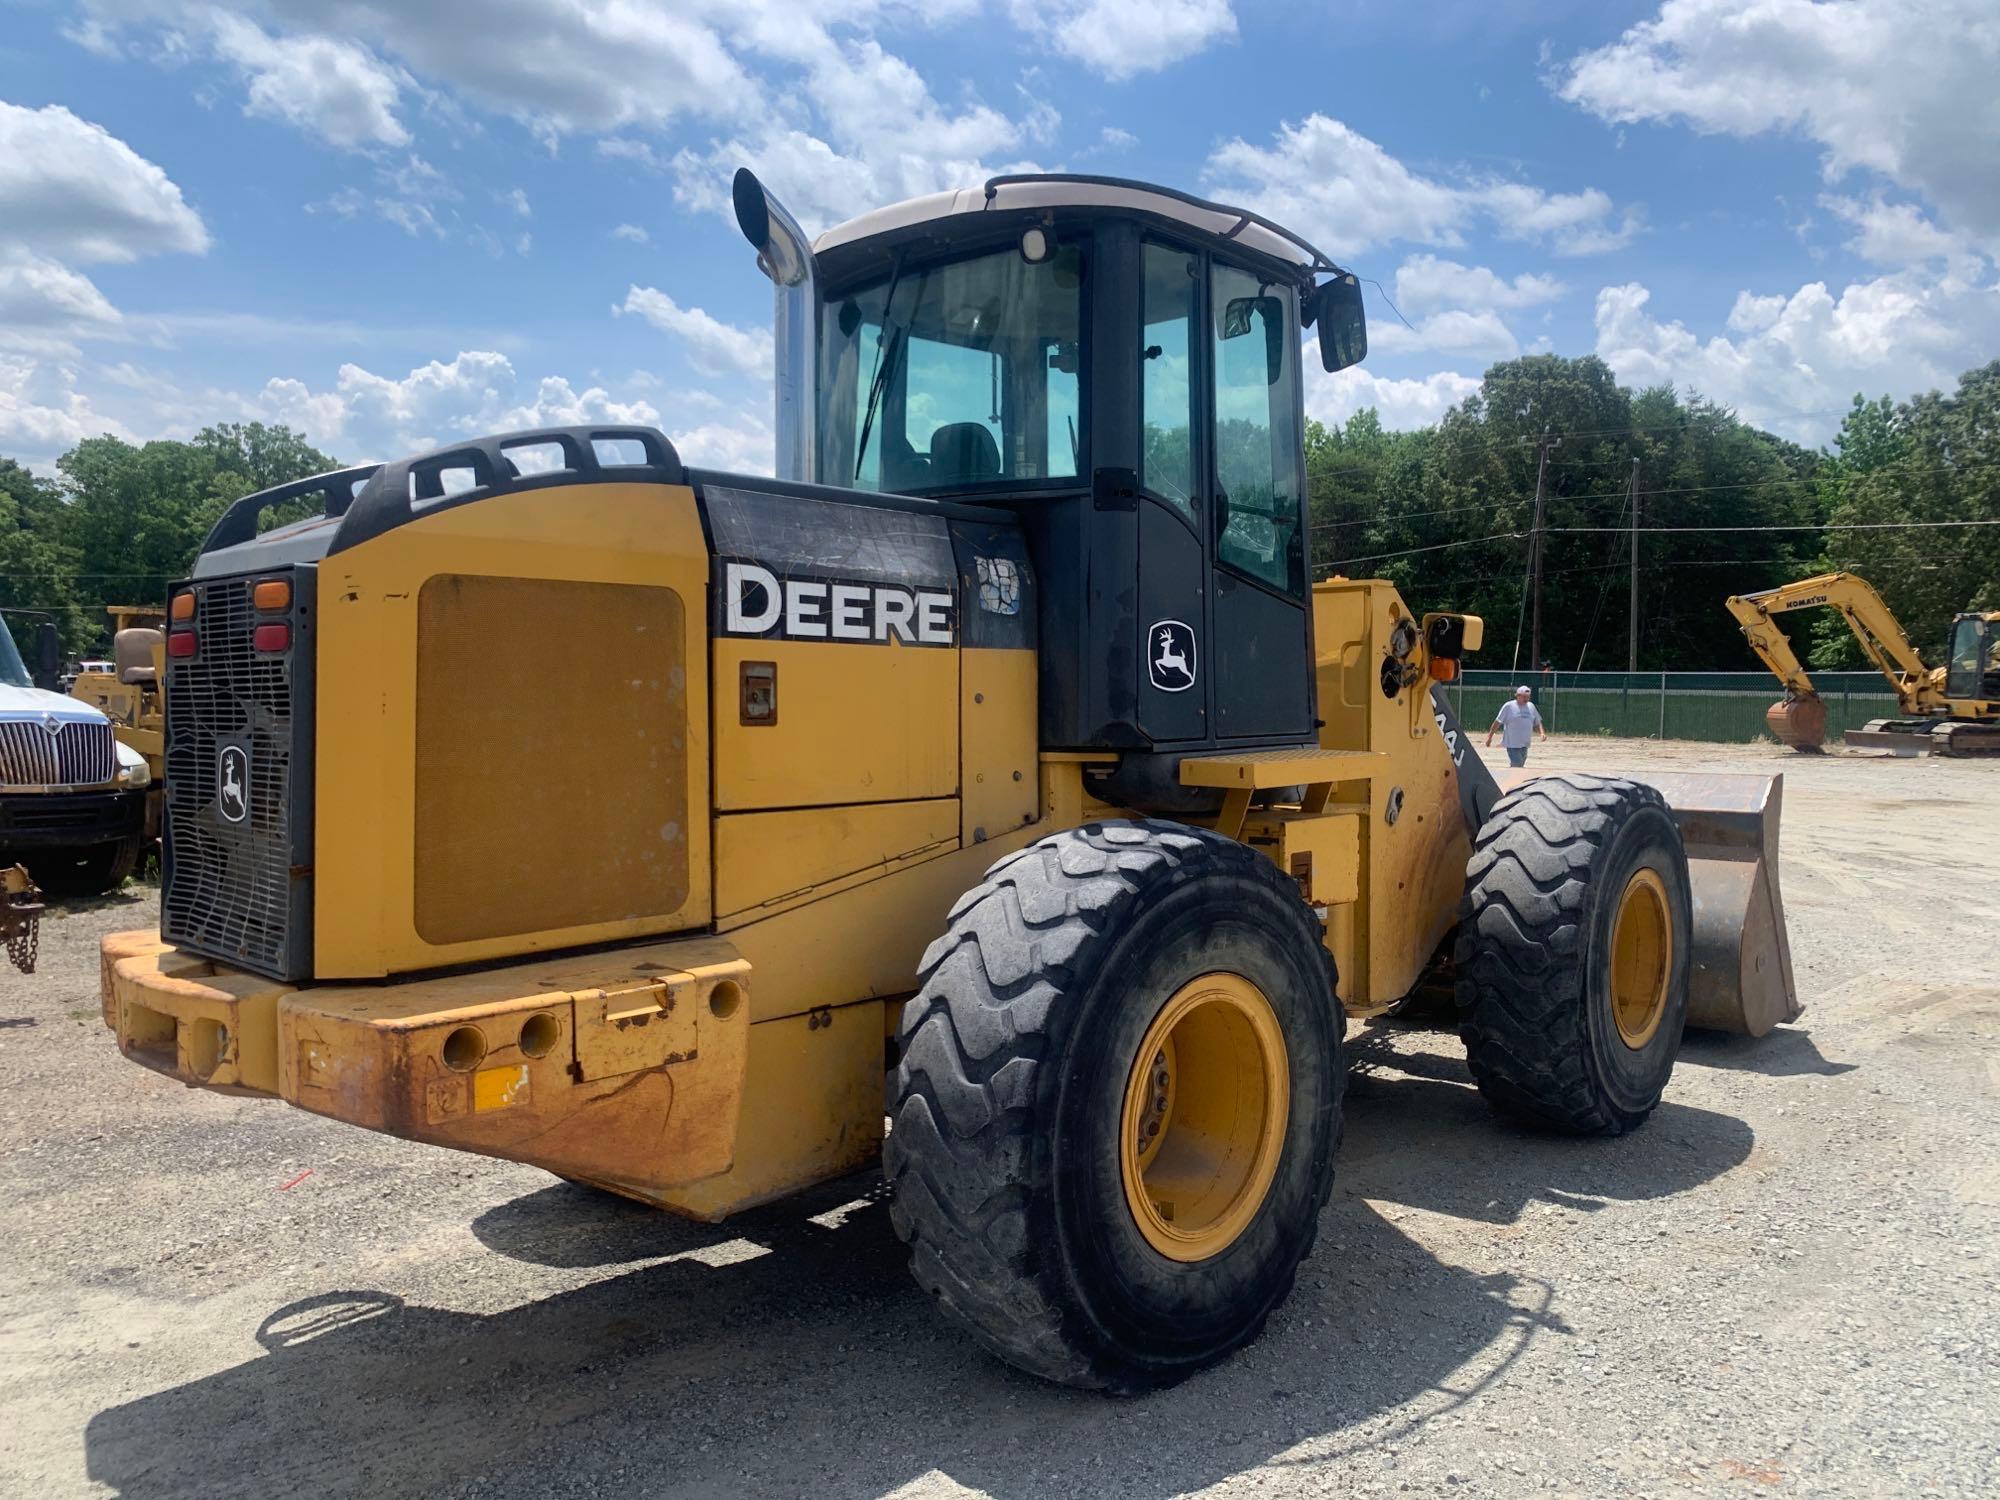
pixel 812 1109
pixel 998 703
pixel 775 859
pixel 552 787
pixel 367 747
pixel 856 723
pixel 1260 770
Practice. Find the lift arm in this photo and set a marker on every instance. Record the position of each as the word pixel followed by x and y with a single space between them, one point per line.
pixel 1874 626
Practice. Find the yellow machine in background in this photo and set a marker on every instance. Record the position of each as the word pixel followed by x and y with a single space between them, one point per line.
pixel 133 693
pixel 992 774
pixel 1949 710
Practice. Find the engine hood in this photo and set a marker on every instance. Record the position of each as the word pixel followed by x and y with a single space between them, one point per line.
pixel 35 704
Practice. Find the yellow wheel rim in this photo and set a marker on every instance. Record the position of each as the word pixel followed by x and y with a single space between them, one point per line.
pixel 1642 959
pixel 1204 1119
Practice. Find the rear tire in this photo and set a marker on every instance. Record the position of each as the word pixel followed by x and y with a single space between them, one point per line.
pixel 1572 953
pixel 1029 1056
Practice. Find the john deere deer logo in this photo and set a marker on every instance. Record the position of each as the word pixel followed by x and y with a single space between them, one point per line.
pixel 232 783
pixel 1170 656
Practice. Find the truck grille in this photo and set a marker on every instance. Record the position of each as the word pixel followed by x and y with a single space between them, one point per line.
pixel 75 755
pixel 237 868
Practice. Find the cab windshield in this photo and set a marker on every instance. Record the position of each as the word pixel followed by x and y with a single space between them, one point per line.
pixel 13 673
pixel 955 374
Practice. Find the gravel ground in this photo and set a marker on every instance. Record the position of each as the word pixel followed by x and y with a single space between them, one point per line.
pixel 1784 1283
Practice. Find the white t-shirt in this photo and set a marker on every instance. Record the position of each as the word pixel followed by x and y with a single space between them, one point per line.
pixel 1518 721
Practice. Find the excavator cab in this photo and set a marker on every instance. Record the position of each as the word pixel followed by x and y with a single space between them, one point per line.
pixel 1972 664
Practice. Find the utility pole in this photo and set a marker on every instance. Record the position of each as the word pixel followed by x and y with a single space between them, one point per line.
pixel 1632 628
pixel 1545 442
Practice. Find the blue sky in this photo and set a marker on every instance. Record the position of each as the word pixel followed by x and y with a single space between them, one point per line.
pixel 393 222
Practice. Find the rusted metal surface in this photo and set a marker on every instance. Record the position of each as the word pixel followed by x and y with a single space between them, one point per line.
pixel 1798 722
pixel 20 917
pixel 625 1069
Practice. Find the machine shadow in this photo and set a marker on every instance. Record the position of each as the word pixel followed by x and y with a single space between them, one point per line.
pixel 1785 1053
pixel 788 1352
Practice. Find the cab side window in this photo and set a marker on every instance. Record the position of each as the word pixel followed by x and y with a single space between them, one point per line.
pixel 1166 393
pixel 1255 359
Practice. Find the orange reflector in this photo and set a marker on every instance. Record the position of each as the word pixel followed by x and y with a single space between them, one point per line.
pixel 183 606
pixel 1443 669
pixel 180 642
pixel 272 593
pixel 272 637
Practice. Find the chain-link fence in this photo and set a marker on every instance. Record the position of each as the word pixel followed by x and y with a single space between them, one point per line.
pixel 1727 707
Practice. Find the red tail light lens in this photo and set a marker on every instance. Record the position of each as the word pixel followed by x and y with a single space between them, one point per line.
pixel 180 643
pixel 272 637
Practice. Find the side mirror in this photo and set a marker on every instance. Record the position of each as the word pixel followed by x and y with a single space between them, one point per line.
pixel 1343 323
pixel 1240 313
pixel 48 655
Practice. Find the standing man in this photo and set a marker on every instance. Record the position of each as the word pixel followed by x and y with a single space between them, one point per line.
pixel 1518 722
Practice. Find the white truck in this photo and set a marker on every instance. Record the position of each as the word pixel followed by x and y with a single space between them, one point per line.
pixel 72 797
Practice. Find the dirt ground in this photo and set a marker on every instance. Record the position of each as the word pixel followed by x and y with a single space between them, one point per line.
pixel 1785 1283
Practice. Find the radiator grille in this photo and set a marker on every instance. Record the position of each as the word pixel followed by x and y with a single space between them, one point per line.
pixel 75 755
pixel 237 887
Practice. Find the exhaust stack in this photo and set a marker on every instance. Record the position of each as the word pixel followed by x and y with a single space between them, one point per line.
pixel 785 255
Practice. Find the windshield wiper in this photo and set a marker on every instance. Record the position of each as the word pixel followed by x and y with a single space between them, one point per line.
pixel 888 349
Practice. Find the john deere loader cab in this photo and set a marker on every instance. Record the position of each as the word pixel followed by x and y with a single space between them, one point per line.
pixel 1118 365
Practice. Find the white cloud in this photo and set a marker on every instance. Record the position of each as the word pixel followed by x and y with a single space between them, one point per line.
pixel 713 347
pixel 1901 234
pixel 335 89
pixel 1458 331
pixel 1795 361
pixel 882 137
pixel 42 413
pixel 44 305
pixel 1343 191
pixel 73 190
pixel 558 65
pixel 1903 88
pixel 518 201
pixel 1121 38
pixel 632 234
pixel 1425 283
pixel 1401 404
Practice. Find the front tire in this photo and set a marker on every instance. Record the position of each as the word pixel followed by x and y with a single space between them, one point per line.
pixel 1572 953
pixel 1116 1103
pixel 89 871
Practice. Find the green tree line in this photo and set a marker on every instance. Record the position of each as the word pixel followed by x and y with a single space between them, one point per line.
pixel 1415 507
pixel 1442 511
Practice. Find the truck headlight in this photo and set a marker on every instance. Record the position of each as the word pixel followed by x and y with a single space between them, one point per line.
pixel 134 775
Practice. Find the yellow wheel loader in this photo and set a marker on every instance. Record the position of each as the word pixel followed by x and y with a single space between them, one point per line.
pixel 1948 710
pixel 993 772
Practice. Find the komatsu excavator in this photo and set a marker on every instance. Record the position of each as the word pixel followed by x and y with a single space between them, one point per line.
pixel 994 771
pixel 1949 710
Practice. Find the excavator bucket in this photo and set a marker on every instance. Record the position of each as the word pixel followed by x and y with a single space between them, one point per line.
pixel 1741 977
pixel 1798 722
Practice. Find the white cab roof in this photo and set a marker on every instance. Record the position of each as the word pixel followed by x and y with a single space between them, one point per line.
pixel 1068 192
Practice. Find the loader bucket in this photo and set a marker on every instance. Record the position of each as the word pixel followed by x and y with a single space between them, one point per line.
pixel 1741 976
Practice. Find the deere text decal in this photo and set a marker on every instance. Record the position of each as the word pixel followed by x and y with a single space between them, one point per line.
pixel 757 602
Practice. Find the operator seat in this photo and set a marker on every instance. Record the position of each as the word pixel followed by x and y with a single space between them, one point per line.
pixel 964 453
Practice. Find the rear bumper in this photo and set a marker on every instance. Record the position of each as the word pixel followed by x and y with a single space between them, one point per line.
pixel 42 820
pixel 626 1069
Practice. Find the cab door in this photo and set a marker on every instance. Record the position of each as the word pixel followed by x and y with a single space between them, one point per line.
pixel 1174 671
pixel 1261 683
